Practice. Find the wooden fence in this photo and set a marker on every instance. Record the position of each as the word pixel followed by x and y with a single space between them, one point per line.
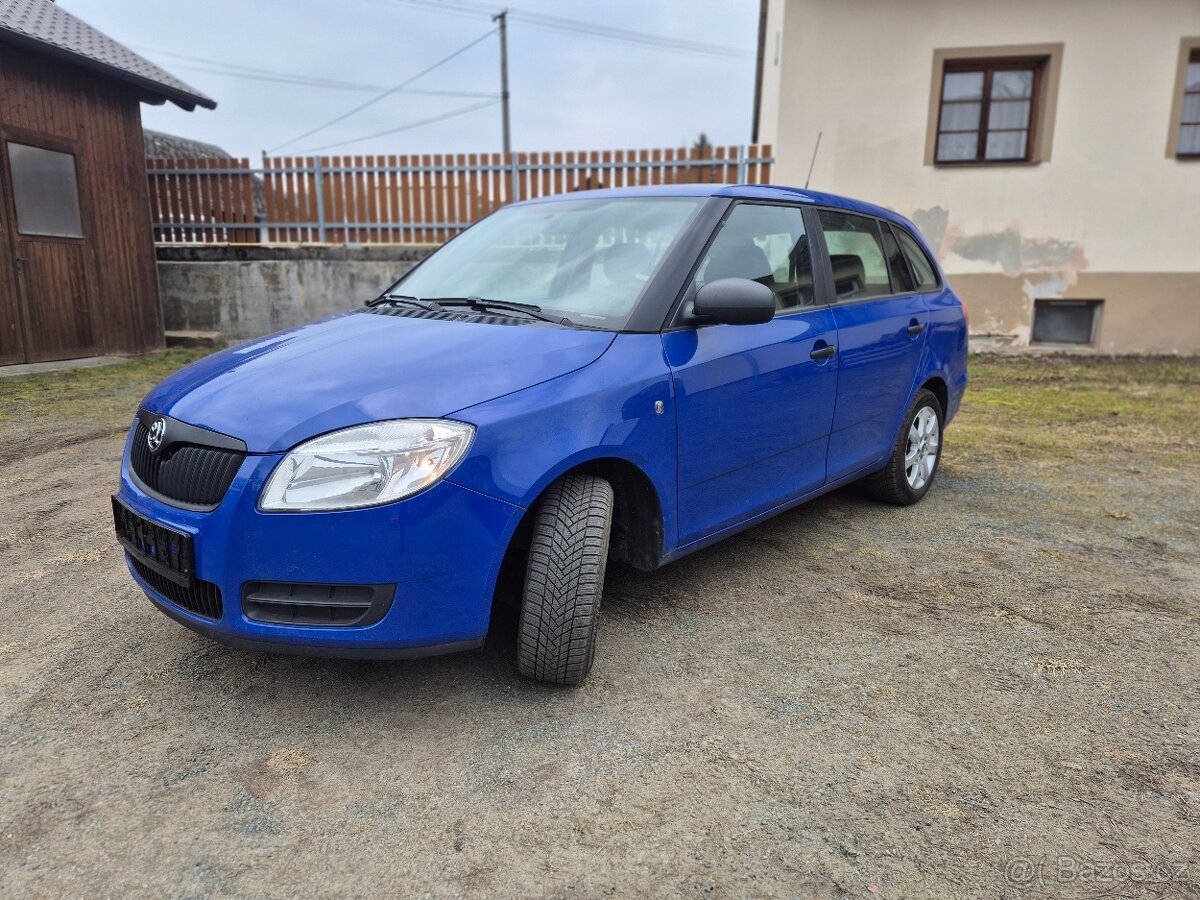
pixel 422 199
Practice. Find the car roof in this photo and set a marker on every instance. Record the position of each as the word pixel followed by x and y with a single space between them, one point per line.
pixel 734 192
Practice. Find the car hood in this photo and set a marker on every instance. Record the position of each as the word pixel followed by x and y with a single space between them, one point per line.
pixel 275 392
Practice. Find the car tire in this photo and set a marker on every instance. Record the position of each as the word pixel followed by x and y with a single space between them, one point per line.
pixel 910 470
pixel 564 580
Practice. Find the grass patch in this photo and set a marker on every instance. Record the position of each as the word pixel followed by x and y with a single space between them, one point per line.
pixel 1049 410
pixel 1073 409
pixel 108 394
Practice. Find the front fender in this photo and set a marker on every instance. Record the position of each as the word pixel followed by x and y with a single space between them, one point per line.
pixel 525 440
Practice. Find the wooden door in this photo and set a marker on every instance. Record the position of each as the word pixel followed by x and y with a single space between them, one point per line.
pixel 12 329
pixel 52 257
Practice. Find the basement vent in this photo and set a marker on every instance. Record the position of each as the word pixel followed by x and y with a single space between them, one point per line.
pixel 1065 321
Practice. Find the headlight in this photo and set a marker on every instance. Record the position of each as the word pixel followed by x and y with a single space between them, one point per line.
pixel 366 465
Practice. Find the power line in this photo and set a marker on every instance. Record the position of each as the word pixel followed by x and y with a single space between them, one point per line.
pixel 595 30
pixel 385 94
pixel 254 73
pixel 239 67
pixel 411 125
pixel 344 86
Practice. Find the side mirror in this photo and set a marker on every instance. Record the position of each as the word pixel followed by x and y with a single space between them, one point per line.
pixel 734 301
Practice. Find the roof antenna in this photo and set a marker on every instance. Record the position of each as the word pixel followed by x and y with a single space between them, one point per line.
pixel 814 161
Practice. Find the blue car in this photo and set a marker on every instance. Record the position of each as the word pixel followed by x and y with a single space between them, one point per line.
pixel 619 374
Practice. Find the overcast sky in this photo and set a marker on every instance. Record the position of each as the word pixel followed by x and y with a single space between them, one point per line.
pixel 569 91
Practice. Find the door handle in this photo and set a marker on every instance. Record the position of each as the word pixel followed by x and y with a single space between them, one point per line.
pixel 916 327
pixel 824 352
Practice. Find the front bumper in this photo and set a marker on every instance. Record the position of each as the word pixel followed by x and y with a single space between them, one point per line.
pixel 441 548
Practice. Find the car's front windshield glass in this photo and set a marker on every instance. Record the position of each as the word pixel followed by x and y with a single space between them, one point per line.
pixel 584 260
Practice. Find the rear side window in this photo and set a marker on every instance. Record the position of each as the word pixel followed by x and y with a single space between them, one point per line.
pixel 856 254
pixel 922 268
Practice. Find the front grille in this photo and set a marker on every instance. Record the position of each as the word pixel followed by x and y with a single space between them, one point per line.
pixel 203 598
pixel 185 473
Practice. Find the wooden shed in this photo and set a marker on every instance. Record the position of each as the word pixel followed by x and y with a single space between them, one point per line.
pixel 77 264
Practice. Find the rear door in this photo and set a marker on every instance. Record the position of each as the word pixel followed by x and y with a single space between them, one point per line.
pixel 754 403
pixel 51 256
pixel 881 324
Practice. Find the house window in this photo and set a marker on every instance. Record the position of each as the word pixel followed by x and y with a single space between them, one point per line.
pixel 1065 321
pixel 1188 143
pixel 45 191
pixel 988 110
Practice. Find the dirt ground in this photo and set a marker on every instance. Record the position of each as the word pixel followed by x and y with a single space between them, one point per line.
pixel 991 694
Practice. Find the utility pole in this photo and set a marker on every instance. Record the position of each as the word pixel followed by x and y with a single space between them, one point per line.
pixel 502 18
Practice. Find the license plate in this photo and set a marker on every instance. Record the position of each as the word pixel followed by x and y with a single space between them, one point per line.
pixel 168 552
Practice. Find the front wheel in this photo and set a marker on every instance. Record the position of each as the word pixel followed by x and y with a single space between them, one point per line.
pixel 914 461
pixel 564 580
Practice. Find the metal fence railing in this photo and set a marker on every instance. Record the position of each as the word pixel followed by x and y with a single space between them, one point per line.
pixel 422 199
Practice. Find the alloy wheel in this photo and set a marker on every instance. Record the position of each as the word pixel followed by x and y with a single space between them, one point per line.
pixel 921 452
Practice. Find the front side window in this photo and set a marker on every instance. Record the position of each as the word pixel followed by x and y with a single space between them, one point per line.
pixel 856 254
pixel 987 112
pixel 1189 120
pixel 45 191
pixel 767 244
pixel 585 260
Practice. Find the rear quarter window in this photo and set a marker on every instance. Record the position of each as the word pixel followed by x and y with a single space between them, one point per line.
pixel 922 268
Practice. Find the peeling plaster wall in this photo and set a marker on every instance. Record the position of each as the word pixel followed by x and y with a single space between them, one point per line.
pixel 1143 312
pixel 244 293
pixel 1109 216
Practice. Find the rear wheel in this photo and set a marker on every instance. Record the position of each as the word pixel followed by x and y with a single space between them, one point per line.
pixel 914 461
pixel 564 579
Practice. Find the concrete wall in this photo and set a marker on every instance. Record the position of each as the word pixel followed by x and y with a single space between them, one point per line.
pixel 246 292
pixel 1106 214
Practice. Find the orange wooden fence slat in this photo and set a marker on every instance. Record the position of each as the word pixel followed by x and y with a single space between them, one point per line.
pixel 426 198
pixel 206 206
pixel 495 200
pixel 338 205
pixel 376 209
pixel 285 199
pixel 396 201
pixel 407 202
pixel 439 197
pixel 226 187
pixel 246 207
pixel 462 214
pixel 472 177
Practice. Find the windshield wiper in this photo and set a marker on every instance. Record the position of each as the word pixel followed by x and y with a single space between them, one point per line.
pixel 482 304
pixel 403 298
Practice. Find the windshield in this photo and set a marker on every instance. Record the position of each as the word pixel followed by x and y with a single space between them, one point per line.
pixel 583 260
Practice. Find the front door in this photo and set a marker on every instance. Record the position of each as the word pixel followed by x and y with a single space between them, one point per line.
pixel 754 405
pixel 49 254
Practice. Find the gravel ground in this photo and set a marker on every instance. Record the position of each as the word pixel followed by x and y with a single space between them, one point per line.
pixel 993 693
